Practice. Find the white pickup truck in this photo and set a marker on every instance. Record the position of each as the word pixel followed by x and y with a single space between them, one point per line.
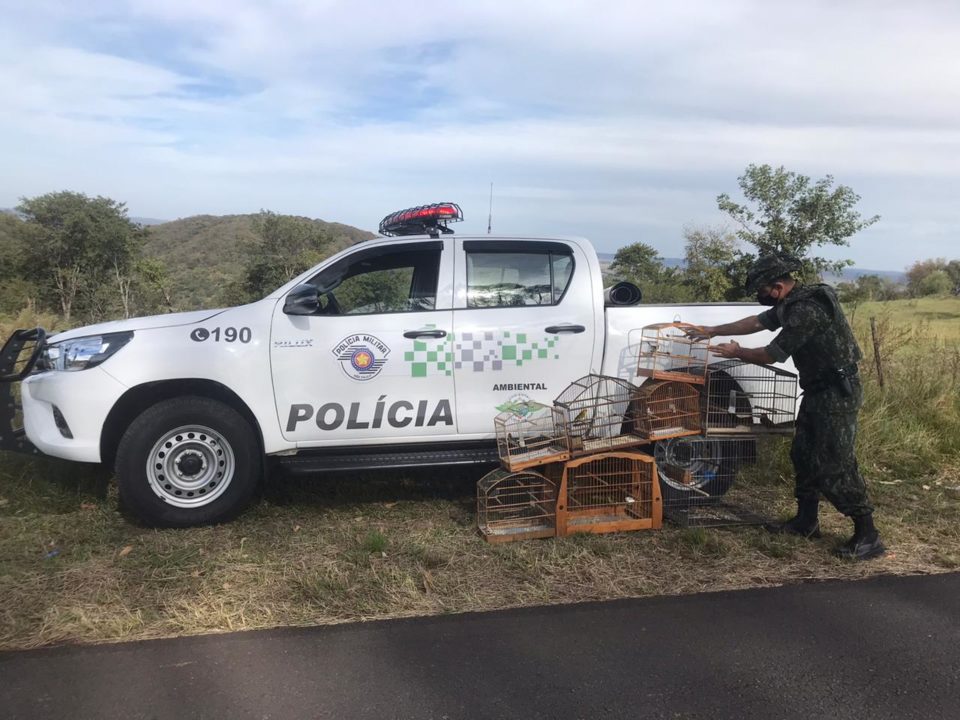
pixel 397 351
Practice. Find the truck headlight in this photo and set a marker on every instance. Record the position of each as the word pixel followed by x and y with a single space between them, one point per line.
pixel 83 352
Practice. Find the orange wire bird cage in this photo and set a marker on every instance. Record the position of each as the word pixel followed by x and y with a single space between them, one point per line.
pixel 528 434
pixel 596 414
pixel 666 409
pixel 667 352
pixel 608 492
pixel 743 398
pixel 516 506
pixel 696 472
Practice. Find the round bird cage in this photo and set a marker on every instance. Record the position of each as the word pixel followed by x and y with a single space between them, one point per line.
pixel 668 352
pixel 596 415
pixel 667 409
pixel 516 506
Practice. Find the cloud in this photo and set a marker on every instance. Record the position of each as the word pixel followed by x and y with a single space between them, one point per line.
pixel 622 121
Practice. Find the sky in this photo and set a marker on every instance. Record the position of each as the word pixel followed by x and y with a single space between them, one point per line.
pixel 618 121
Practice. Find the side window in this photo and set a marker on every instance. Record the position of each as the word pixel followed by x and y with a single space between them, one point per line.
pixel 562 272
pixel 512 279
pixel 382 280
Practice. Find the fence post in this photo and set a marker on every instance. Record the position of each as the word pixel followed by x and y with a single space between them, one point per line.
pixel 876 351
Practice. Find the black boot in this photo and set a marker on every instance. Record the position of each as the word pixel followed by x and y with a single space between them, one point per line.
pixel 864 544
pixel 805 523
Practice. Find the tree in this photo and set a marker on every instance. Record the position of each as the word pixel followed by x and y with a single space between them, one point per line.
pixel 152 286
pixel 870 287
pixel 926 277
pixel 710 263
pixel 935 283
pixel 787 212
pixel 640 264
pixel 284 248
pixel 953 270
pixel 79 247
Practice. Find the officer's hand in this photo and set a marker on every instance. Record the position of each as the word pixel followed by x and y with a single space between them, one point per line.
pixel 704 332
pixel 726 350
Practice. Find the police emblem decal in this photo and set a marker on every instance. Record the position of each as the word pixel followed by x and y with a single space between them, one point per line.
pixel 361 356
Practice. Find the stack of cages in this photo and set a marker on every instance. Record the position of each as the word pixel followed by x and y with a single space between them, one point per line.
pixel 742 398
pixel 672 351
pixel 665 409
pixel 528 434
pixel 516 506
pixel 608 492
pixel 695 474
pixel 514 502
pixel 596 414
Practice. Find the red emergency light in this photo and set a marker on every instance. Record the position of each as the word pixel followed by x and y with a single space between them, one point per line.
pixel 422 220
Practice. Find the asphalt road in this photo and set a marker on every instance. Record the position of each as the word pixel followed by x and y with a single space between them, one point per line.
pixel 883 648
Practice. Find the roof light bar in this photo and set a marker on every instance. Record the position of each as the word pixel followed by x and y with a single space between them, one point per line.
pixel 422 220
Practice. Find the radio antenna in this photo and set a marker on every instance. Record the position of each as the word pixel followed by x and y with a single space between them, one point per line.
pixel 490 216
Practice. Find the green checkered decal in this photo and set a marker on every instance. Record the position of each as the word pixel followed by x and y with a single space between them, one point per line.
pixel 480 352
pixel 430 357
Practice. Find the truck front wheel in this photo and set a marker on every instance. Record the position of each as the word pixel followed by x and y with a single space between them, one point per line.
pixel 187 461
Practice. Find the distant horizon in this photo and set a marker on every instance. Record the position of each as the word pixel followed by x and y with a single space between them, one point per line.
pixel 606 255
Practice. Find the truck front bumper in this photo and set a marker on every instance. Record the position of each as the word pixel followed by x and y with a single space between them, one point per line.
pixel 64 412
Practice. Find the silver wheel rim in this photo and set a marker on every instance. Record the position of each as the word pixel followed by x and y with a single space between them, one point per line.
pixel 190 466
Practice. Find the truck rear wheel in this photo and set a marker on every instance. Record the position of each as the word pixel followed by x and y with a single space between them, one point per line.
pixel 187 461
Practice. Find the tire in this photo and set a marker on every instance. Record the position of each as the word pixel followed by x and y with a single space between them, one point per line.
pixel 188 461
pixel 711 472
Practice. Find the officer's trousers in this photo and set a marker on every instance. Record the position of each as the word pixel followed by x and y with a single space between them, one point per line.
pixel 823 454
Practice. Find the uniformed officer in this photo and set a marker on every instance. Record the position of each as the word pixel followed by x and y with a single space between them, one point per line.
pixel 815 332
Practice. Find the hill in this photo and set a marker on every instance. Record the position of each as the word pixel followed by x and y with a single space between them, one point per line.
pixel 204 253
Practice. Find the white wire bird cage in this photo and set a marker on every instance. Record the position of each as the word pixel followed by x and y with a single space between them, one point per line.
pixel 528 435
pixel 742 397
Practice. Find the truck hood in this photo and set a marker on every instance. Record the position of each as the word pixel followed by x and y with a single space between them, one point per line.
pixel 141 323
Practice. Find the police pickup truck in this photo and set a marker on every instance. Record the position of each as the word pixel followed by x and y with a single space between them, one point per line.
pixel 397 351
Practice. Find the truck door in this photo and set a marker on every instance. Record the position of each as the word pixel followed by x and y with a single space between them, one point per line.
pixel 369 365
pixel 524 325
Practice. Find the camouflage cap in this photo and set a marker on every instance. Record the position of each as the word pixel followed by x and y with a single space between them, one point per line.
pixel 768 268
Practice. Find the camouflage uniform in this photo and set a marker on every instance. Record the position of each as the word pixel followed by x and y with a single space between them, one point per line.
pixel 816 334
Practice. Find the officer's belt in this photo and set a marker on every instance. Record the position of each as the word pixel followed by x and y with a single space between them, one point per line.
pixel 838 378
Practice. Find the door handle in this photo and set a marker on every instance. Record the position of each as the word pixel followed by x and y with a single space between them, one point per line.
pixel 557 329
pixel 411 334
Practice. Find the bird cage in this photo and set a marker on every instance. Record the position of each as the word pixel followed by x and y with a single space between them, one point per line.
pixel 528 434
pixel 596 415
pixel 667 352
pixel 516 506
pixel 696 472
pixel 742 397
pixel 608 492
pixel 666 409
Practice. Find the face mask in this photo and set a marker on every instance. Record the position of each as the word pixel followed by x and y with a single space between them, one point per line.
pixel 767 300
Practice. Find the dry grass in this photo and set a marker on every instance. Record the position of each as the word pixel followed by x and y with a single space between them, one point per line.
pixel 74 570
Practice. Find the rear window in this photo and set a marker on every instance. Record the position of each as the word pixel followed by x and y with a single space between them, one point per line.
pixel 515 279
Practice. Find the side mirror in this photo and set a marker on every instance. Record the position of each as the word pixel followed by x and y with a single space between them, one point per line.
pixel 302 300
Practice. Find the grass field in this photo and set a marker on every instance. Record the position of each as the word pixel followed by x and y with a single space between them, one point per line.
pixel 931 317
pixel 73 569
